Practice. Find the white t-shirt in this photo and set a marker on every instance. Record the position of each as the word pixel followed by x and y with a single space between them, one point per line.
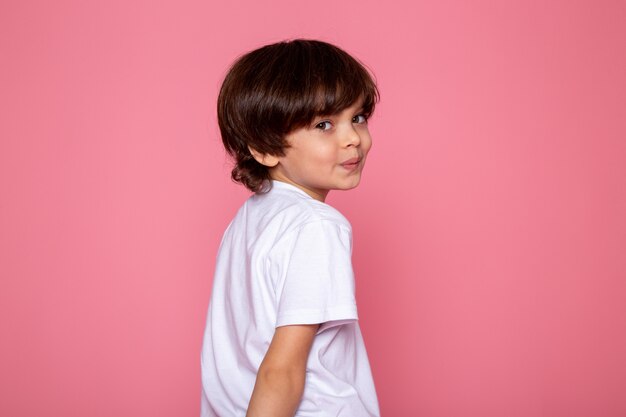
pixel 286 259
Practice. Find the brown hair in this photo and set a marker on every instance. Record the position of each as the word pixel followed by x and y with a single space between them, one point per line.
pixel 273 90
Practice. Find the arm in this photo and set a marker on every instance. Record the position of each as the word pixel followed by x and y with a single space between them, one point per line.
pixel 280 379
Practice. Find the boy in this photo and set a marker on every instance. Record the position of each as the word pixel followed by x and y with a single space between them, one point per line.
pixel 282 336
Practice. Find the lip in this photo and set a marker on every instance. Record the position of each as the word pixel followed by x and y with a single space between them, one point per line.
pixel 352 163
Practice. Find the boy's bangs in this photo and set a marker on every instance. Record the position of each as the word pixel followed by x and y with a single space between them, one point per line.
pixel 332 85
pixel 345 92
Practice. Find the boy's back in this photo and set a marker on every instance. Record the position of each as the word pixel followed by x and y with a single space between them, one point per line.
pixel 285 259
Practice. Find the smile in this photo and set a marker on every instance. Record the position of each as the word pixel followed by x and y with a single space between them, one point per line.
pixel 351 164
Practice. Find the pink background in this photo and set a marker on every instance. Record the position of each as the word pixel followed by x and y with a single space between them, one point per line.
pixel 490 226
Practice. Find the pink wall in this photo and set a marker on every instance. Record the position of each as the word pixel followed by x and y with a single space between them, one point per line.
pixel 490 227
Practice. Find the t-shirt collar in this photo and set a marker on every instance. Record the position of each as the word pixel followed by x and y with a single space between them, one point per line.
pixel 286 186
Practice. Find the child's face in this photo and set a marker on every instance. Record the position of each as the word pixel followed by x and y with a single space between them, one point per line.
pixel 327 155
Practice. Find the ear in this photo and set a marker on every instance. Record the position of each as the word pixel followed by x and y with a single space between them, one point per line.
pixel 263 158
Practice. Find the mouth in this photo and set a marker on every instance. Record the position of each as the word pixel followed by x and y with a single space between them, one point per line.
pixel 351 163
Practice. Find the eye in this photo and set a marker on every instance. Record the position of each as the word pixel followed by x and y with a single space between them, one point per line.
pixel 359 118
pixel 325 125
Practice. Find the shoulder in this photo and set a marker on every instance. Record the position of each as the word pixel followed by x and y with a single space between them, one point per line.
pixel 295 210
pixel 317 213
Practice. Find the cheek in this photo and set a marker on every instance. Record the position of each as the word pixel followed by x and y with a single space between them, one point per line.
pixel 323 151
pixel 366 143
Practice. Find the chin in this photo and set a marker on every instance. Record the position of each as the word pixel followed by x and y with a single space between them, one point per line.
pixel 350 185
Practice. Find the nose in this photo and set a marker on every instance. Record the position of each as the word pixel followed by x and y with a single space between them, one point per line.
pixel 352 137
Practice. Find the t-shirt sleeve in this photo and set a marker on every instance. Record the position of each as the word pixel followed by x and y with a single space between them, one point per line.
pixel 318 280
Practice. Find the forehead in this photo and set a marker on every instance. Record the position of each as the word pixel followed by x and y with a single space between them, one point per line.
pixel 324 109
pixel 356 106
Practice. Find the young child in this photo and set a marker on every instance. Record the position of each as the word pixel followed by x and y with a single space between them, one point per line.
pixel 282 336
